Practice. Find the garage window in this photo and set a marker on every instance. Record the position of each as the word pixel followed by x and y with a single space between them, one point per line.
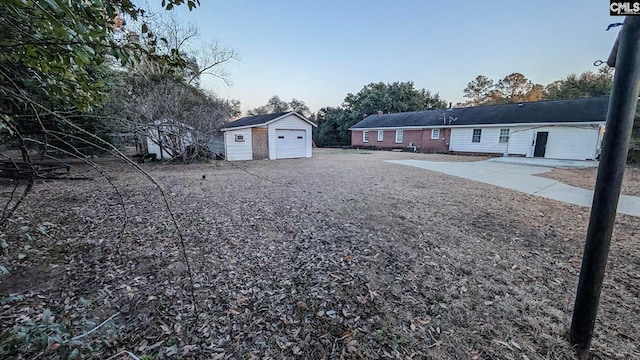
pixel 504 136
pixel 365 136
pixel 477 134
pixel 239 138
pixel 435 134
pixel 399 136
pixel 380 135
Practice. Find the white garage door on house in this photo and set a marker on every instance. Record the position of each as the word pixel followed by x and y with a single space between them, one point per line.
pixel 572 143
pixel 290 144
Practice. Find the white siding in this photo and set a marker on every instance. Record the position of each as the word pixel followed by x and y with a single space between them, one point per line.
pixel 461 140
pixel 572 143
pixel 290 122
pixel 564 142
pixel 168 132
pixel 238 150
pixel 520 141
pixel 153 148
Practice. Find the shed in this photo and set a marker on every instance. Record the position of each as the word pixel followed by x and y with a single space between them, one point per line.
pixel 270 136
pixel 167 138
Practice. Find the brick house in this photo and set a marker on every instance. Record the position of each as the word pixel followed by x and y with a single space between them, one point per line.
pixel 557 129
pixel 425 131
pixel 426 139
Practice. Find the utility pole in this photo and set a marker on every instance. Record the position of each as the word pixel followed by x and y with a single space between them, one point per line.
pixel 615 146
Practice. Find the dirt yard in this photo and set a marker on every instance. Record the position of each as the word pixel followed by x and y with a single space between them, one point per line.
pixel 342 256
pixel 586 178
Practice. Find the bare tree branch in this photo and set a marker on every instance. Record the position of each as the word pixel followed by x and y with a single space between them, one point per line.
pixel 99 142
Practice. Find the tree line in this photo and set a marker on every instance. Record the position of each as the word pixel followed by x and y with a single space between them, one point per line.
pixel 334 122
pixel 276 105
pixel 515 87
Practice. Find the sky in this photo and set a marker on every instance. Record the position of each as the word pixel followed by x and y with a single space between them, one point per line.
pixel 319 51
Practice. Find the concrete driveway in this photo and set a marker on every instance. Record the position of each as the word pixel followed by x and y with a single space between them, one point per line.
pixel 518 174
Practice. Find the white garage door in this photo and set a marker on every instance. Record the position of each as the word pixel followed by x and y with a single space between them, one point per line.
pixel 572 143
pixel 290 144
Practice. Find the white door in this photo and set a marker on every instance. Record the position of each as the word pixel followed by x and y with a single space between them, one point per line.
pixel 290 144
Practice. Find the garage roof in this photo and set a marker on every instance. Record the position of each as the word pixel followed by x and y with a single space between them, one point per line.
pixel 257 120
pixel 550 111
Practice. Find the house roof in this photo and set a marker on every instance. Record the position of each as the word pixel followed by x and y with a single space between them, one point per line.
pixel 257 120
pixel 550 111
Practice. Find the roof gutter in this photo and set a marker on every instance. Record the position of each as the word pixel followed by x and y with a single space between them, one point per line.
pixel 478 125
pixel 301 117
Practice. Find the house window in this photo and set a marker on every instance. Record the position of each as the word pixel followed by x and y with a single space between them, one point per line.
pixel 239 138
pixel 504 136
pixel 365 136
pixel 399 136
pixel 435 133
pixel 380 135
pixel 477 134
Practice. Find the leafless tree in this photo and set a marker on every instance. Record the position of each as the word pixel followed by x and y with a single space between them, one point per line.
pixel 178 117
pixel 177 37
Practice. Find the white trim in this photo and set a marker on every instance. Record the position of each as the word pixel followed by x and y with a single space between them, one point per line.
pixel 398 132
pixel 501 136
pixel 380 135
pixel 481 125
pixel 365 136
pixel 473 135
pixel 394 128
pixel 243 127
pixel 503 125
pixel 272 121
pixel 435 136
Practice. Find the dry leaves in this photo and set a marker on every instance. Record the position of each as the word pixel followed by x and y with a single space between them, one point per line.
pixel 342 256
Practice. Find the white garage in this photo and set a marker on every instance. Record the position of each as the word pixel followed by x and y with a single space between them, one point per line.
pixel 270 136
pixel 290 143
